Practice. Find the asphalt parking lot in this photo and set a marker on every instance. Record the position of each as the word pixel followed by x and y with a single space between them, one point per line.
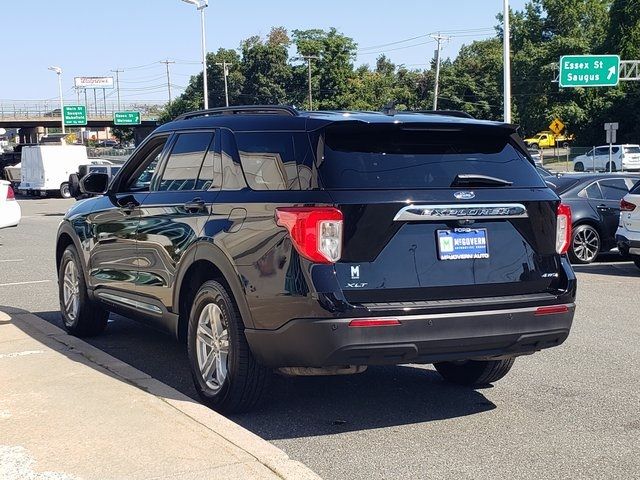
pixel 570 412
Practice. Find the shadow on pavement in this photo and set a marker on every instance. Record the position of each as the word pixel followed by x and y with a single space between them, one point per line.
pixel 619 269
pixel 302 406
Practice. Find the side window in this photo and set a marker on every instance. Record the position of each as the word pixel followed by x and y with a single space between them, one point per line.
pixel 613 189
pixel 140 179
pixel 615 150
pixel 602 151
pixel 183 166
pixel 593 191
pixel 268 160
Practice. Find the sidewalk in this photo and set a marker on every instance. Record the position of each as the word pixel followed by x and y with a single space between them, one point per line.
pixel 70 411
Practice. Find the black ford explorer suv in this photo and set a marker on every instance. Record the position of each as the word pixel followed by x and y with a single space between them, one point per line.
pixel 322 242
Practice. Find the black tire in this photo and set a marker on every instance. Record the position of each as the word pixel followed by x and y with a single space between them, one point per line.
pixel 474 373
pixel 64 190
pixel 245 380
pixel 578 167
pixel 534 146
pixel 636 260
pixel 610 165
pixel 90 318
pixel 586 245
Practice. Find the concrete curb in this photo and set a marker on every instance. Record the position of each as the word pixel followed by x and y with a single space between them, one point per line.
pixel 264 452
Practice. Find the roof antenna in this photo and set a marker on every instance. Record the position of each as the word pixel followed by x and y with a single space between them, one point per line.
pixel 389 108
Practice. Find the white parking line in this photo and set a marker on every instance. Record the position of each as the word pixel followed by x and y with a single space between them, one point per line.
pixel 23 283
pixel 12 260
pixel 20 354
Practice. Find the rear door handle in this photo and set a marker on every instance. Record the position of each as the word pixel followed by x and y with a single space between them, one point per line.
pixel 194 206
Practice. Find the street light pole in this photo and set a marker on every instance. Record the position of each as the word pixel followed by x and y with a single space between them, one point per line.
pixel 58 71
pixel 201 5
pixel 506 55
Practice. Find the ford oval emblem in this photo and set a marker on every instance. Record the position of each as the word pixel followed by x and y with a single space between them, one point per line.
pixel 464 195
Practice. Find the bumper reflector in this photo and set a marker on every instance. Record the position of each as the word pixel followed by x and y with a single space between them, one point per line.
pixel 554 309
pixel 374 322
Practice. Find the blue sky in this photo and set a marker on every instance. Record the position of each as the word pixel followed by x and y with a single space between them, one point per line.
pixel 88 38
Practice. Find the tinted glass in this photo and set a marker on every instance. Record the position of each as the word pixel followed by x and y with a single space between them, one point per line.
pixel 636 189
pixel 602 151
pixel 615 149
pixel 593 191
pixel 141 180
pixel 268 160
pixel 389 157
pixel 614 189
pixel 183 165
pixel 632 150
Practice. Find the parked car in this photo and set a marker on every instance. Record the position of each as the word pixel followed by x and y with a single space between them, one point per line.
pixel 10 213
pixel 320 243
pixel 623 157
pixel 628 233
pixel 595 205
pixel 107 144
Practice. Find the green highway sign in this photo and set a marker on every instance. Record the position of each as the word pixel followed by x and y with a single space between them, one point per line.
pixel 589 70
pixel 126 118
pixel 74 114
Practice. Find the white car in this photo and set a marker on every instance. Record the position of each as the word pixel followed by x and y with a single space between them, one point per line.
pixel 9 209
pixel 623 157
pixel 628 233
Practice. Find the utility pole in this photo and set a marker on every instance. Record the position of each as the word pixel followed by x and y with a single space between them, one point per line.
pixel 225 73
pixel 167 62
pixel 506 55
pixel 438 38
pixel 308 58
pixel 117 72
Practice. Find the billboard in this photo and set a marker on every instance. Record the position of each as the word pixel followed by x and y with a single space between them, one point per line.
pixel 93 82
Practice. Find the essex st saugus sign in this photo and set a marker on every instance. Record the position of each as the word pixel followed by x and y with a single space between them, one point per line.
pixel 589 71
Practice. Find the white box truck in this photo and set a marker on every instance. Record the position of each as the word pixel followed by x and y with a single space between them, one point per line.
pixel 45 169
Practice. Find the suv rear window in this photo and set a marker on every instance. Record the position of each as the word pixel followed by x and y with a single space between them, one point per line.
pixel 632 150
pixel 391 157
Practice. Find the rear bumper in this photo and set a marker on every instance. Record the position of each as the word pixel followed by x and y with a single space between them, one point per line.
pixel 417 339
pixel 628 245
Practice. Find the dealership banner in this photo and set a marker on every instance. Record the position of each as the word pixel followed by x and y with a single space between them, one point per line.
pixel 93 82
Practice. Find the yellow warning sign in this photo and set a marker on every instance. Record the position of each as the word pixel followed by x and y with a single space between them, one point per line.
pixel 556 126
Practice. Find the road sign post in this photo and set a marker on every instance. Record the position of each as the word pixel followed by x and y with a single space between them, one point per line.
pixel 589 71
pixel 126 118
pixel 74 115
pixel 612 129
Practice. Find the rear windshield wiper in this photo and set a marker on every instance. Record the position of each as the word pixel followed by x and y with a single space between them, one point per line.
pixel 474 180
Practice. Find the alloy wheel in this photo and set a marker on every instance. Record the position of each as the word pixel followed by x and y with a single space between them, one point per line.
pixel 586 244
pixel 212 346
pixel 71 291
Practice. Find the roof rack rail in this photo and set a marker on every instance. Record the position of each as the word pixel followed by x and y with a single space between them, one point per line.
pixel 447 113
pixel 257 109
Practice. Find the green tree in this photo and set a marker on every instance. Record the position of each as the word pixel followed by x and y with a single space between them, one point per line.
pixel 331 71
pixel 265 66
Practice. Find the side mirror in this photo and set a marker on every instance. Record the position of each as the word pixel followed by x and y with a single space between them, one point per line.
pixel 95 183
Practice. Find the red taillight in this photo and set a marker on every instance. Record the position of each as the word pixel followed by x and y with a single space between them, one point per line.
pixel 10 194
pixel 627 206
pixel 552 310
pixel 374 322
pixel 316 232
pixel 563 229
